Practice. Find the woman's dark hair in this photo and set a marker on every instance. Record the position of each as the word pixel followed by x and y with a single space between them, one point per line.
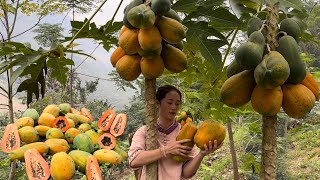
pixel 163 90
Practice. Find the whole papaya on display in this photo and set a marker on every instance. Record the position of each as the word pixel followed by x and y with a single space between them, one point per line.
pixel 62 167
pixel 32 113
pixel 209 130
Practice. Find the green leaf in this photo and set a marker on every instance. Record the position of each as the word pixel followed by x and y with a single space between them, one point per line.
pixel 217 17
pixel 296 4
pixel 59 68
pixel 209 50
pixel 106 34
pixel 186 6
pixel 239 8
pixel 200 30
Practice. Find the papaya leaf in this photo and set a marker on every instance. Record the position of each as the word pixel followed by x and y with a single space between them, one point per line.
pixel 8 48
pixel 296 4
pixel 31 85
pixel 79 52
pixel 59 68
pixel 186 6
pixel 106 34
pixel 209 50
pixel 22 60
pixel 220 18
pixel 25 62
pixel 202 30
pixel 239 9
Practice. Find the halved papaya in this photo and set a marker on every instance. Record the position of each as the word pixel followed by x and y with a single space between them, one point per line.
pixel 36 166
pixel 93 169
pixel 107 141
pixel 86 112
pixel 106 119
pixel 11 139
pixel 61 123
pixel 118 125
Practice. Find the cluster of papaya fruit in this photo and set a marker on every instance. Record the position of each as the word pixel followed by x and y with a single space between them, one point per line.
pixel 271 79
pixel 67 138
pixel 150 41
pixel 183 118
pixel 208 130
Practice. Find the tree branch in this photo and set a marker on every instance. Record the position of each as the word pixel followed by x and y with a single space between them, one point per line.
pixel 3 89
pixel 14 19
pixel 4 105
pixel 3 94
pixel 40 18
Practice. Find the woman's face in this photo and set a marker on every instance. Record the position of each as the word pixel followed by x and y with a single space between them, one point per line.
pixel 169 106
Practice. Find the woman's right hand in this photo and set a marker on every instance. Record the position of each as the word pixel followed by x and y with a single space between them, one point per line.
pixel 177 148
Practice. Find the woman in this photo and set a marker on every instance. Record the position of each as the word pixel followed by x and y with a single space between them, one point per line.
pixel 168 103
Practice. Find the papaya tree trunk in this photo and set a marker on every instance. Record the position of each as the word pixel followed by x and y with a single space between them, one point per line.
pixel 269 141
pixel 11 120
pixel 269 148
pixel 233 153
pixel 151 118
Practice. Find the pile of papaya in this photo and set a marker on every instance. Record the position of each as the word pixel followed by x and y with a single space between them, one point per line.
pixel 63 139
pixel 150 41
pixel 270 79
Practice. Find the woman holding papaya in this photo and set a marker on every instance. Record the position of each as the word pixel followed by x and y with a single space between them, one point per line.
pixel 168 103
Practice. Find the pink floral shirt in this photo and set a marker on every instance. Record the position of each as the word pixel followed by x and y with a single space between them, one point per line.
pixel 168 169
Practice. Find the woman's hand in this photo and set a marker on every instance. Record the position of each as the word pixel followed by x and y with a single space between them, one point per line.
pixel 210 148
pixel 177 148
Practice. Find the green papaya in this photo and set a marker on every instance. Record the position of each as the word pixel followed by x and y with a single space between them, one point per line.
pixel 291 27
pixel 160 7
pixel 249 54
pixel 132 4
pixel 254 24
pixel 289 49
pixel 273 71
pixel 233 68
pixel 173 14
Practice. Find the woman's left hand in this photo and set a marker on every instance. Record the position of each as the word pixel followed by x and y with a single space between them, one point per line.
pixel 210 148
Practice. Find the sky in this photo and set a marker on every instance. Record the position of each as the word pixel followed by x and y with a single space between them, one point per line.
pixel 101 66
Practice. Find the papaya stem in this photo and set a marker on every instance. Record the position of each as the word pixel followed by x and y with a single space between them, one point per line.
pixel 268 48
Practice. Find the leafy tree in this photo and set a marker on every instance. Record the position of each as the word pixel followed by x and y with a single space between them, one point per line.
pixel 48 34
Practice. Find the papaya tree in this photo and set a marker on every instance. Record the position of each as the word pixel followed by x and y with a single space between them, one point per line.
pixel 279 23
